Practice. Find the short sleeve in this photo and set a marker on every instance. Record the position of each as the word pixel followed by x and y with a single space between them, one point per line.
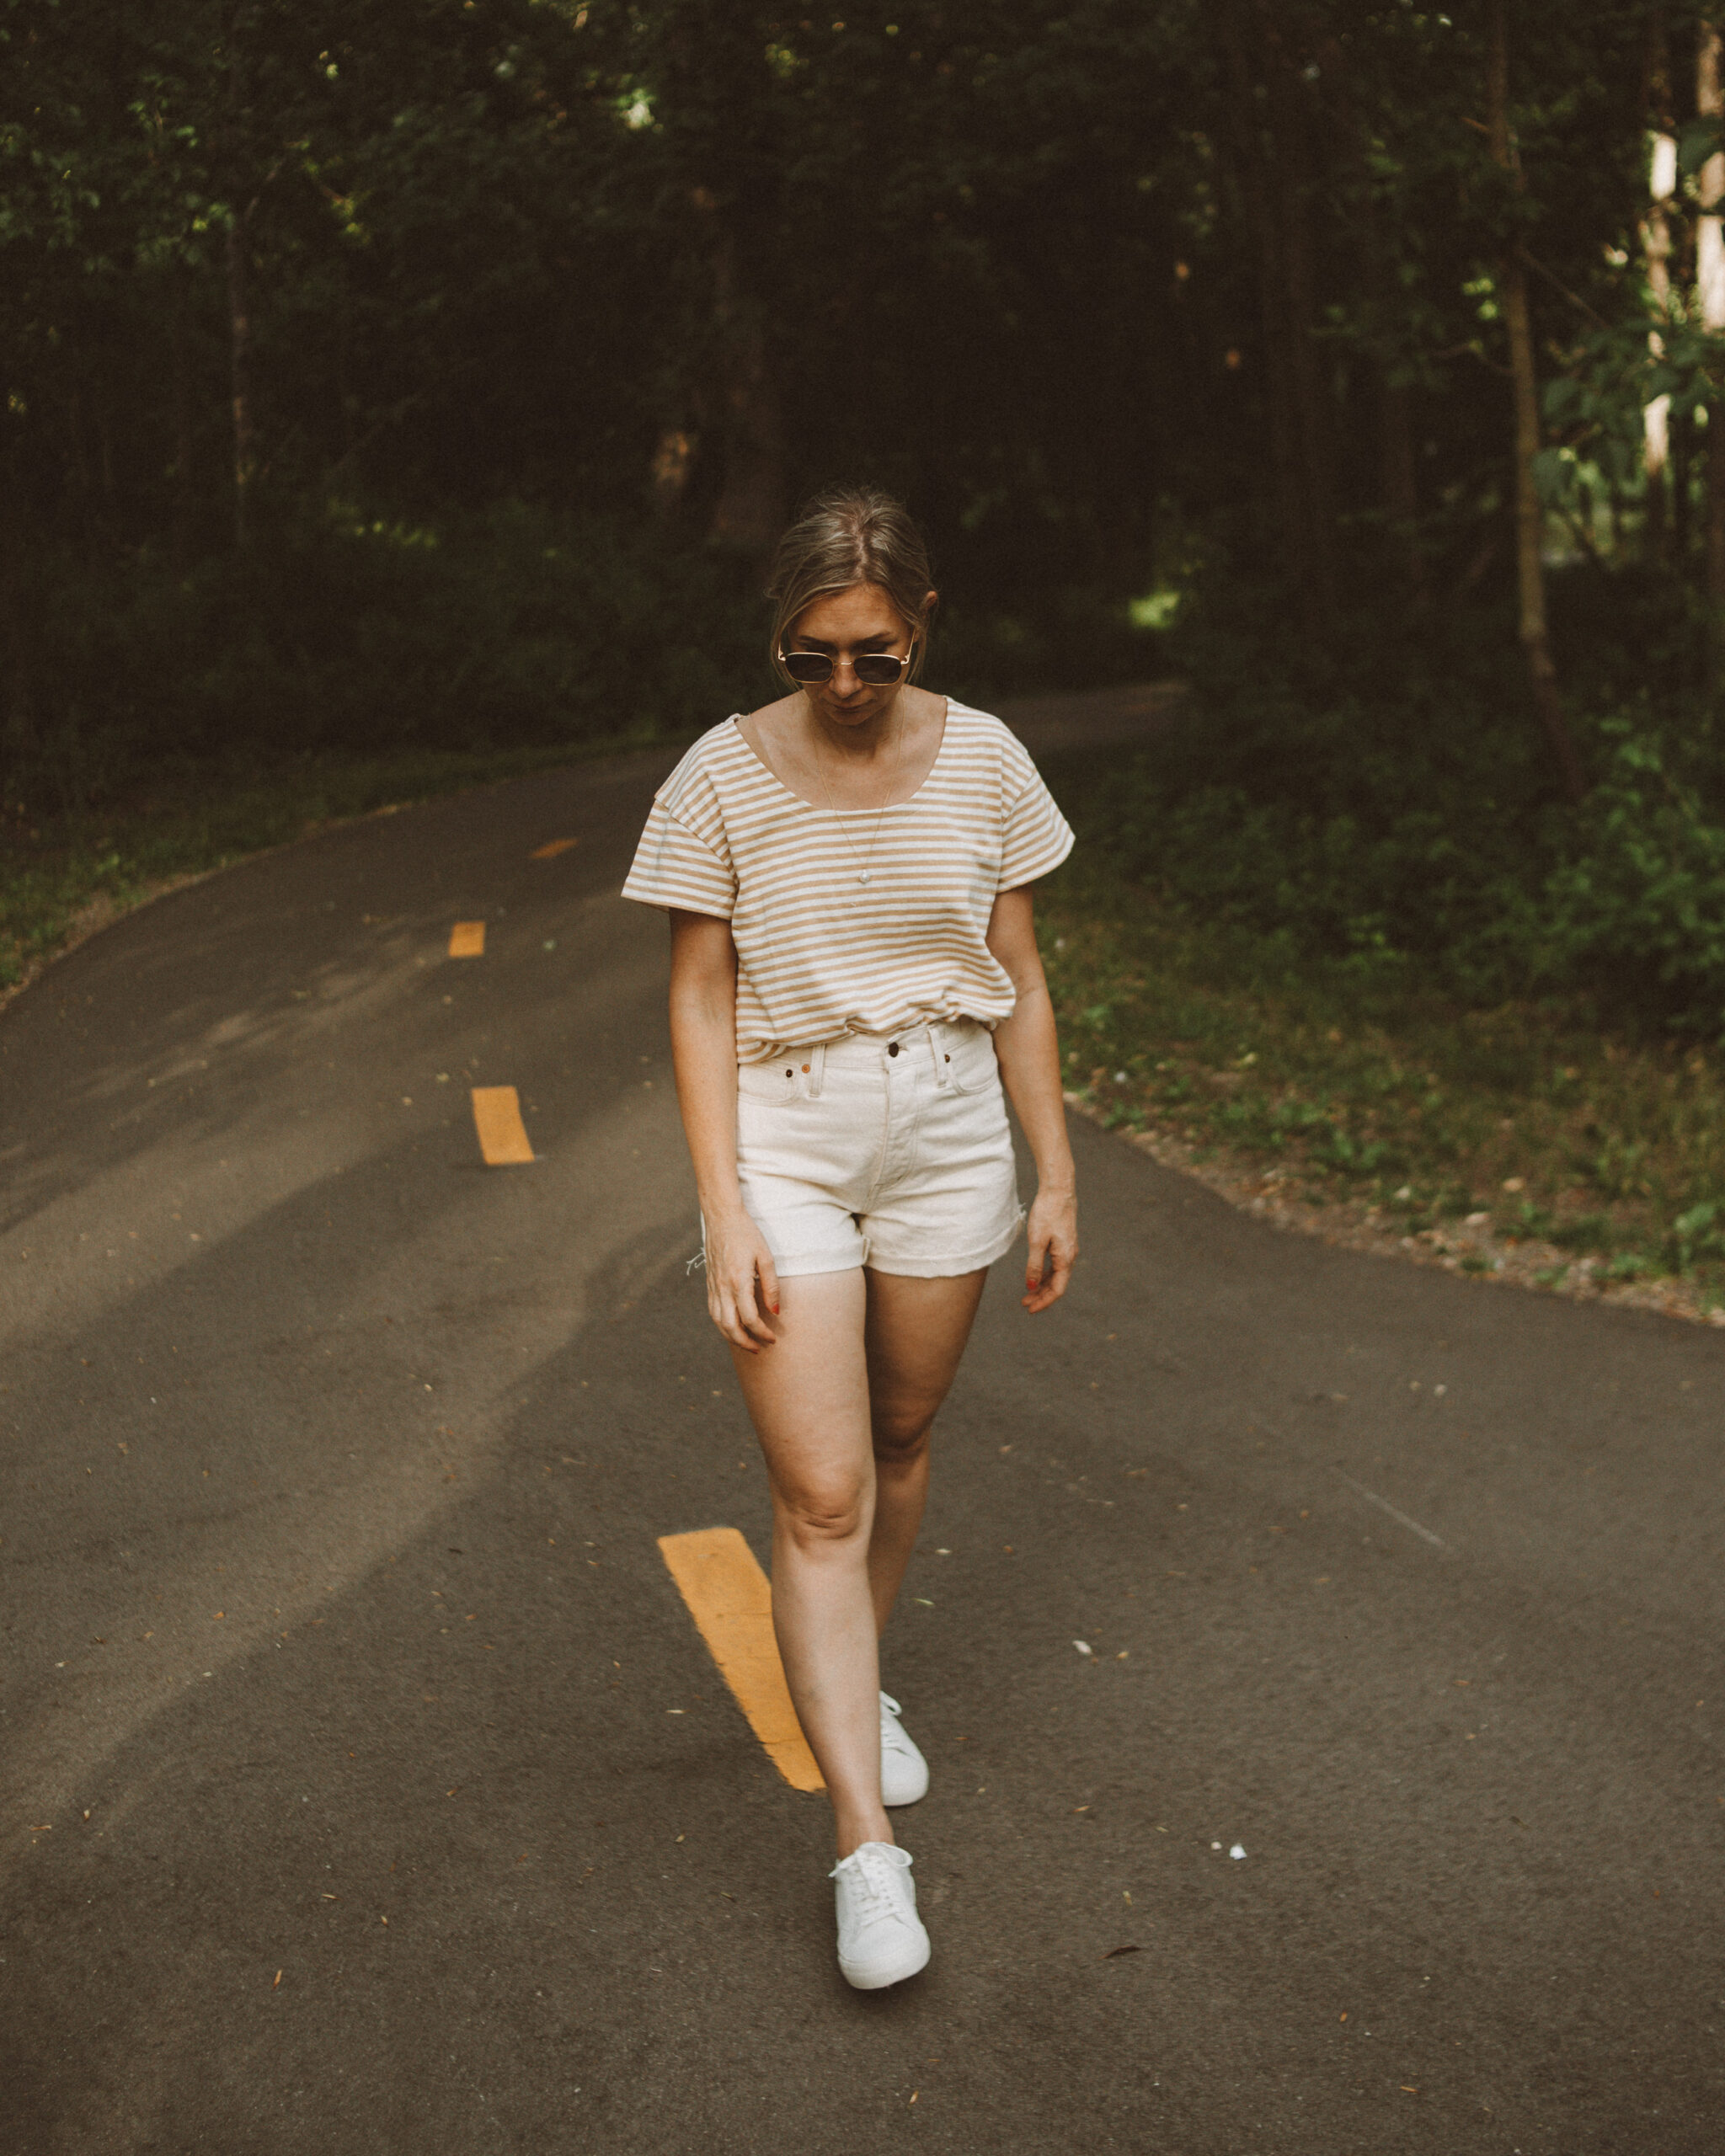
pixel 1036 837
pixel 674 866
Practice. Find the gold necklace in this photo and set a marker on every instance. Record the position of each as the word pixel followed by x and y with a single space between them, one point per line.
pixel 865 863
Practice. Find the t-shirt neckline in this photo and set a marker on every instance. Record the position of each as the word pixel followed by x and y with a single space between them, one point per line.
pixel 734 723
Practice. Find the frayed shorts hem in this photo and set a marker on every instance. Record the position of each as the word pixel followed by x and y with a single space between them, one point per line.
pixel 799 1264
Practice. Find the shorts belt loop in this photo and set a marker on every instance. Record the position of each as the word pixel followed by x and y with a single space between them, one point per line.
pixel 817 1069
pixel 935 1056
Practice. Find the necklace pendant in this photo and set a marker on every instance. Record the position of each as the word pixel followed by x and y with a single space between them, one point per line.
pixel 862 876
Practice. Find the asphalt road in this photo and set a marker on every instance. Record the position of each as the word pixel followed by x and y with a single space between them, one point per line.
pixel 367 1788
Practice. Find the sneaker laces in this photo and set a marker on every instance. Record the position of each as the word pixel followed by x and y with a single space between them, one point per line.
pixel 873 1865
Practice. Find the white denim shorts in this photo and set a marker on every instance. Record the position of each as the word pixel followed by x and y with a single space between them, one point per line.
pixel 890 1151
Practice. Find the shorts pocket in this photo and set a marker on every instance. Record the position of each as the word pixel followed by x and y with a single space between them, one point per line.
pixel 972 1065
pixel 767 1082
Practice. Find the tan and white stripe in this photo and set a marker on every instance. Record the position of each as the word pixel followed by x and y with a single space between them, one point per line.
pixel 820 952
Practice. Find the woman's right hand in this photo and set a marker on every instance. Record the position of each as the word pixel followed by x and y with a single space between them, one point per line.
pixel 742 1287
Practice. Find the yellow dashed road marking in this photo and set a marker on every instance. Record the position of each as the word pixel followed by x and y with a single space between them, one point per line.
pixel 502 1136
pixel 467 940
pixel 730 1599
pixel 552 848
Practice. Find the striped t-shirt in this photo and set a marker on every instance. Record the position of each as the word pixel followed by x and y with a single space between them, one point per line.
pixel 820 951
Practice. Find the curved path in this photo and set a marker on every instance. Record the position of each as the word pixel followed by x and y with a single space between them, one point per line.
pixel 367 1787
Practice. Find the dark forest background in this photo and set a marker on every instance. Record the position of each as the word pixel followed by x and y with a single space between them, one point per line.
pixel 437 374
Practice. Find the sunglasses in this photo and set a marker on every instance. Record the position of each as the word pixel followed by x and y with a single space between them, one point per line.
pixel 877 669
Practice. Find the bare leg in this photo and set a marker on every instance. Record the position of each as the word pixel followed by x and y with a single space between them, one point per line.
pixel 808 1397
pixel 916 1331
pixel 847 1494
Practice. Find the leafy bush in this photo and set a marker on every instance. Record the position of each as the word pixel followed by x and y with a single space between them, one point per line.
pixel 514 626
pixel 1404 828
pixel 1637 905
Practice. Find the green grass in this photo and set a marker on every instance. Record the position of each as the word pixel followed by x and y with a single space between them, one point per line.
pixel 194 821
pixel 1609 1147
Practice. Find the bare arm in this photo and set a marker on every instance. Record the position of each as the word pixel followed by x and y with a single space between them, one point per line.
pixel 1030 1070
pixel 703 1042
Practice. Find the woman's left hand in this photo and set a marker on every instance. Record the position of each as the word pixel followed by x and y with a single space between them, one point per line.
pixel 1054 1247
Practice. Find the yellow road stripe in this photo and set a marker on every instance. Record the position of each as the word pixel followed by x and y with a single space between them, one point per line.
pixel 552 848
pixel 496 1117
pixel 467 940
pixel 730 1599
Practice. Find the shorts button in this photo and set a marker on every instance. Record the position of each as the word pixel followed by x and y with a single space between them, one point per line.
pixel 892 1048
pixel 804 1066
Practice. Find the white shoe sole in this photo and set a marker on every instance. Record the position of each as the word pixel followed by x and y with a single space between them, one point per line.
pixel 878 1978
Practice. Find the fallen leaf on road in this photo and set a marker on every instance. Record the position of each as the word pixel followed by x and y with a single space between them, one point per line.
pixel 1083 1646
pixel 1408 2091
pixel 276 1986
pixel 1115 1952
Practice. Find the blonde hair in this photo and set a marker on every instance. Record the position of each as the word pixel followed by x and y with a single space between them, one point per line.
pixel 846 537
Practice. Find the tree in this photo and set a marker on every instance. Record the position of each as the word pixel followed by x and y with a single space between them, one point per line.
pixel 1656 246
pixel 1532 626
pixel 1709 290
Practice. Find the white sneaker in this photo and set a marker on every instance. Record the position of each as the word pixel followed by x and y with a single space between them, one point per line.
pixel 904 1771
pixel 881 1938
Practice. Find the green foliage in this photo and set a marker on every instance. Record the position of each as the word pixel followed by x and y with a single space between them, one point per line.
pixel 1339 1083
pixel 1635 904
pixel 1393 820
pixel 510 625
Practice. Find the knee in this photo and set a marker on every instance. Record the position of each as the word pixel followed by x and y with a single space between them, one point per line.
pixel 819 1515
pixel 900 1440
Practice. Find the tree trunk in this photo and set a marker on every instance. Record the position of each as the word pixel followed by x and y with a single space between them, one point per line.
pixel 181 527
pixel 1400 484
pixel 1529 512
pixel 751 510
pixel 240 341
pixel 239 327
pixel 17 730
pixel 1710 290
pixel 1292 394
pixel 1311 409
pixel 1656 248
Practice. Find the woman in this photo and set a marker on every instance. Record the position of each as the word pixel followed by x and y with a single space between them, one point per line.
pixel 854 972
